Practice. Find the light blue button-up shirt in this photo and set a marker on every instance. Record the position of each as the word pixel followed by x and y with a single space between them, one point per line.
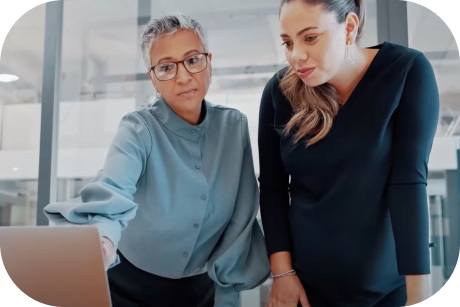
pixel 185 196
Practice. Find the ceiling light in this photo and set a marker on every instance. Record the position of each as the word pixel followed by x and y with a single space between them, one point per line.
pixel 8 78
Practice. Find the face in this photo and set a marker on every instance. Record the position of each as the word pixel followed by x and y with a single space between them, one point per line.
pixel 185 92
pixel 314 42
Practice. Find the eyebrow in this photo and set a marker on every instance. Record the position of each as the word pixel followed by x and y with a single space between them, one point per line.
pixel 300 32
pixel 184 56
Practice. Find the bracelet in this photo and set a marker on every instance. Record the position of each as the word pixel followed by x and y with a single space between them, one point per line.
pixel 288 273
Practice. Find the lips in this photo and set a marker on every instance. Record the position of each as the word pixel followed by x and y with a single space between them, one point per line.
pixel 305 72
pixel 187 92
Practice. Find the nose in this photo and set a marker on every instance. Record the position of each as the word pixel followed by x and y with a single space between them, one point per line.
pixel 182 74
pixel 299 54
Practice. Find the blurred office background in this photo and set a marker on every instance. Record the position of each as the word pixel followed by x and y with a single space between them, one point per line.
pixel 75 69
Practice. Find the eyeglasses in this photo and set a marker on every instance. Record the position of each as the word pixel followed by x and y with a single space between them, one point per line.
pixel 193 64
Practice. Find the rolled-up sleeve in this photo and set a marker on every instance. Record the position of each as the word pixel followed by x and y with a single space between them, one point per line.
pixel 415 125
pixel 239 261
pixel 107 200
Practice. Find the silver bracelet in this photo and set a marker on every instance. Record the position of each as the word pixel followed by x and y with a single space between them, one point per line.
pixel 288 273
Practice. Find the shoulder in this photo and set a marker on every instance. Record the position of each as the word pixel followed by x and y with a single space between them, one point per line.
pixel 134 117
pixel 396 49
pixel 402 57
pixel 393 64
pixel 139 122
pixel 144 116
pixel 225 113
pixel 413 64
pixel 229 119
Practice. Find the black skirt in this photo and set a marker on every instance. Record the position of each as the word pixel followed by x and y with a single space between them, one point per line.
pixel 132 287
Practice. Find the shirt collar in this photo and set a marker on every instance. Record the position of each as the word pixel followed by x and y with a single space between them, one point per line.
pixel 173 122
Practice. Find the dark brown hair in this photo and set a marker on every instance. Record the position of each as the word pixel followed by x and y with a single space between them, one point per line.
pixel 316 107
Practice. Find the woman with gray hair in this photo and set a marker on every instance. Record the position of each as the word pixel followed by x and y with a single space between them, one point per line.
pixel 179 181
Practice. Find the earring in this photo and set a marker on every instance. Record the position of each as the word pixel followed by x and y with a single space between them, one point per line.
pixel 210 80
pixel 158 95
pixel 349 54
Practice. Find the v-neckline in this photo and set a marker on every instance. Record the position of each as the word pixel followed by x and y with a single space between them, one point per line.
pixel 369 72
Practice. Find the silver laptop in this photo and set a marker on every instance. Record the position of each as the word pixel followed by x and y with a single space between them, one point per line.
pixel 58 266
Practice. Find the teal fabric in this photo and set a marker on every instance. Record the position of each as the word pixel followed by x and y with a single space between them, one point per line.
pixel 178 200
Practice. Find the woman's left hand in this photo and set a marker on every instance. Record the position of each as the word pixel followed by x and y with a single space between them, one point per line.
pixel 417 288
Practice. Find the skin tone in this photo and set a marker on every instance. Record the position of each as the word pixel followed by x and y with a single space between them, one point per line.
pixel 109 252
pixel 315 47
pixel 184 93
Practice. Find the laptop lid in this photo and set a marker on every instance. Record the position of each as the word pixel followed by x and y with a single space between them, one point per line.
pixel 58 266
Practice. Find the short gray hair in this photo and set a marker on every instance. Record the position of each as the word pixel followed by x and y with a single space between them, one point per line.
pixel 167 25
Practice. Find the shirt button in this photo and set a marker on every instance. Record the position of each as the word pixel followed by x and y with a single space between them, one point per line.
pixel 185 254
pixel 197 166
pixel 196 226
pixel 193 132
pixel 203 196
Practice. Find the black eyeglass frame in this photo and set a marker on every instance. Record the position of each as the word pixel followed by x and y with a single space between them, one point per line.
pixel 183 63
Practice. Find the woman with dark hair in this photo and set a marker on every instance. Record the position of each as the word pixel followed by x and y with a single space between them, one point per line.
pixel 345 134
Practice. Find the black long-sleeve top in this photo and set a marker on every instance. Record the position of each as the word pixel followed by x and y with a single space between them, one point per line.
pixel 352 208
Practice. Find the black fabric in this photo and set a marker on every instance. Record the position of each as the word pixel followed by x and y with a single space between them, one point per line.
pixel 352 208
pixel 346 296
pixel 132 287
pixel 395 298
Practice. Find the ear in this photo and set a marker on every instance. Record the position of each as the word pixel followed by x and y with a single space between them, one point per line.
pixel 351 27
pixel 152 78
pixel 210 63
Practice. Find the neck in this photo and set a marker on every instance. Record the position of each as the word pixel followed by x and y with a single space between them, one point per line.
pixel 193 117
pixel 352 72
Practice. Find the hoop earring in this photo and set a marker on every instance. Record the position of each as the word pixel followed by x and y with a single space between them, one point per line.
pixel 349 54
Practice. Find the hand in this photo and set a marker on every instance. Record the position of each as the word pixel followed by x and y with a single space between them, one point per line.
pixel 109 252
pixel 412 301
pixel 287 291
pixel 417 288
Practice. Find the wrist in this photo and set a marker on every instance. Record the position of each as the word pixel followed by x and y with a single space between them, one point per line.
pixel 283 274
pixel 280 262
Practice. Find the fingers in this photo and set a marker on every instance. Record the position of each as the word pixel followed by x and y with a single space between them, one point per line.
pixel 286 302
pixel 304 300
pixel 287 292
pixel 108 252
